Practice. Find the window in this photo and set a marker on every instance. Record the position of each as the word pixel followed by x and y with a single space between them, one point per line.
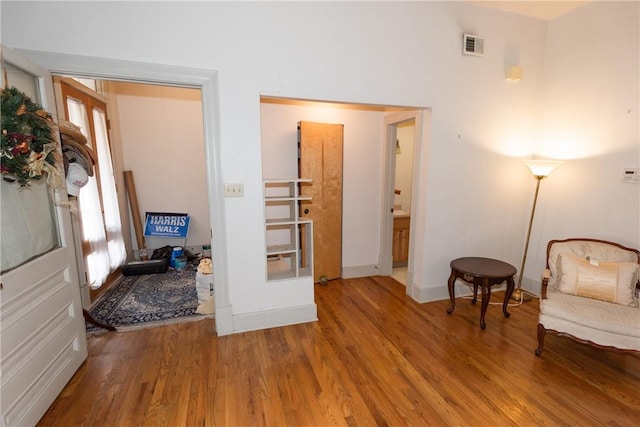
pixel 28 221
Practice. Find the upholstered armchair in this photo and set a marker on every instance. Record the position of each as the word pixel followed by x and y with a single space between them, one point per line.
pixel 590 294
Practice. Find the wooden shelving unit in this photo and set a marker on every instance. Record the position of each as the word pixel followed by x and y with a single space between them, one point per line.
pixel 289 236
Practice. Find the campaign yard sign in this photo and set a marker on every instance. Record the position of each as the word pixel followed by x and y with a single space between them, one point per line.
pixel 164 224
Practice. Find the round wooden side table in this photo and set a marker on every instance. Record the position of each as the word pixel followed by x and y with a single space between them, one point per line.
pixel 483 272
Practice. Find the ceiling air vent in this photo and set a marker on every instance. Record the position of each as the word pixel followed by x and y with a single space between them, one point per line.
pixel 473 45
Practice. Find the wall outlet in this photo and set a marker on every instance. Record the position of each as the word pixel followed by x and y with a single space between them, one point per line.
pixel 233 190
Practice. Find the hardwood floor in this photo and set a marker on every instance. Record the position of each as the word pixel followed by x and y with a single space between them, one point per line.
pixel 375 357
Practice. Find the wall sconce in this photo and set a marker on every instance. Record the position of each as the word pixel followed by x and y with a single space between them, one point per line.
pixel 515 73
pixel 398 151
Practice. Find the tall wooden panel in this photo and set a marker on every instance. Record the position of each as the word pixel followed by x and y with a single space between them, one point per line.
pixel 321 161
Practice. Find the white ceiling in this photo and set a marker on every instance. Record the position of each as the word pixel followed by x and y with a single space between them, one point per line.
pixel 545 9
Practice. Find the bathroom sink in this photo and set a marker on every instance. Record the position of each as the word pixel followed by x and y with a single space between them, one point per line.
pixel 400 213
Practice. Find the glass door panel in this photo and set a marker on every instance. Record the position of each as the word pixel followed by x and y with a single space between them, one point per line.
pixel 103 244
pixel 93 232
pixel 111 211
pixel 28 223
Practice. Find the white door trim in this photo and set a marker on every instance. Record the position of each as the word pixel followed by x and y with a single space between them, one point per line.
pixel 386 233
pixel 207 81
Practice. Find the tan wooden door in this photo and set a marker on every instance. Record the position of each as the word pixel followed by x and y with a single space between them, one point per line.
pixel 321 160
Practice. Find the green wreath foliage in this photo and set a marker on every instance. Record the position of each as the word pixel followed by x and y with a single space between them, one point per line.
pixel 28 150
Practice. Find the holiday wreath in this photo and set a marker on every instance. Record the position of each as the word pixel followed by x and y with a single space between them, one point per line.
pixel 29 149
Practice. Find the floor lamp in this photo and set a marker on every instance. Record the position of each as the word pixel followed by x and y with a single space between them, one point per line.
pixel 540 169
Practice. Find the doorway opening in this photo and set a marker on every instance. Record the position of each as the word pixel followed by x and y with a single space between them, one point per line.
pixel 369 164
pixel 403 194
pixel 153 132
pixel 403 134
pixel 207 82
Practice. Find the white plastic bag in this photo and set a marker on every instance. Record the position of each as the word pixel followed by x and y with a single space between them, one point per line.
pixel 204 286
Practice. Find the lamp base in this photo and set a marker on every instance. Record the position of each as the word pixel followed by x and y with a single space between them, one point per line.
pixel 520 296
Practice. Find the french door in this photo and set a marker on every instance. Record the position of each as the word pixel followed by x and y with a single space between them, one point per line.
pixel 103 249
pixel 42 330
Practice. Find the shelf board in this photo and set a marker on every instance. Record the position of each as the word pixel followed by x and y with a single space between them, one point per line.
pixel 280 221
pixel 287 221
pixel 287 181
pixel 279 199
pixel 281 249
pixel 282 197
pixel 287 198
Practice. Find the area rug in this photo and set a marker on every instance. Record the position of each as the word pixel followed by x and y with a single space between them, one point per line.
pixel 144 301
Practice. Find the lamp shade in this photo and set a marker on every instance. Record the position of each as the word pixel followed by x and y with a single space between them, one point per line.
pixel 542 167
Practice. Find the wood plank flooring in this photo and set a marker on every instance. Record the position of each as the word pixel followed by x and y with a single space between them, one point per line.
pixel 375 357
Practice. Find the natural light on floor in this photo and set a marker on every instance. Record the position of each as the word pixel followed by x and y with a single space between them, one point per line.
pixel 400 274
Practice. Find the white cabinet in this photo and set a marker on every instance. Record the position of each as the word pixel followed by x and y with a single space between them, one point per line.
pixel 289 236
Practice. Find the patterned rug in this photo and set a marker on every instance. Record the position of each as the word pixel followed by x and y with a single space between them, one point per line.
pixel 148 300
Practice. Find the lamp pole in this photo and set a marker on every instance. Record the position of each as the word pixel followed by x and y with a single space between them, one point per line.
pixel 518 295
pixel 540 169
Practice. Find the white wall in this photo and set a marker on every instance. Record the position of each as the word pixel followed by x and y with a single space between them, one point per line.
pixel 163 145
pixel 590 115
pixel 476 195
pixel 404 165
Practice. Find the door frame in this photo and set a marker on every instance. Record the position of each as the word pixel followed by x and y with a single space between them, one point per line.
pixel 207 82
pixel 391 121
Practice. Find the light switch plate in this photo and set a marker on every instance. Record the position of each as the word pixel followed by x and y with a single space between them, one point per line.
pixel 631 175
pixel 234 190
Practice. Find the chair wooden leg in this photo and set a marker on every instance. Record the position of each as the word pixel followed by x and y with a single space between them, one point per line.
pixel 541 333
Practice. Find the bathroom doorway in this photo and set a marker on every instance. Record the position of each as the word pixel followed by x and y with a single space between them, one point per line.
pixel 403 191
pixel 400 201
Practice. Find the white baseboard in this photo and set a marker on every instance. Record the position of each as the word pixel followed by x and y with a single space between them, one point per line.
pixel 360 271
pixel 228 323
pixel 424 294
pixel 531 285
pixel 224 320
pixel 274 318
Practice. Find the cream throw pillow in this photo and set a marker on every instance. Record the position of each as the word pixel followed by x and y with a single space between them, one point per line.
pixel 608 281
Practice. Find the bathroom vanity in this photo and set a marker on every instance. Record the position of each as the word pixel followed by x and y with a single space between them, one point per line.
pixel 401 224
